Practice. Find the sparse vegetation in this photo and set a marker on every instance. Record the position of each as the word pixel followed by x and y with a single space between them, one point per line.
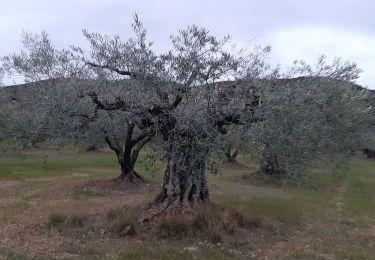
pixel 56 219
pixel 251 218
pixel 76 220
pixel 174 229
pixel 123 221
pixel 61 221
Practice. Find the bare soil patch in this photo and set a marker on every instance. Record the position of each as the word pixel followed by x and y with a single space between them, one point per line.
pixel 117 187
pixel 7 184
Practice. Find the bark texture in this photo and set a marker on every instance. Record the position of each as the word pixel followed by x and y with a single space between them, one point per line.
pixel 127 154
pixel 128 174
pixel 180 188
pixel 183 189
pixel 270 166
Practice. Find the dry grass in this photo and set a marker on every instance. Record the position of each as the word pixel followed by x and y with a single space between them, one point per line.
pixel 61 214
pixel 174 229
pixel 123 221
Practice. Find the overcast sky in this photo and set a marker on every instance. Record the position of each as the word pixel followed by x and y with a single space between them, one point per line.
pixel 296 29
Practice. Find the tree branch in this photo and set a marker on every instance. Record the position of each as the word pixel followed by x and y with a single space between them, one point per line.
pixel 188 83
pixel 140 138
pixel 137 148
pixel 117 105
pixel 113 145
pixel 111 68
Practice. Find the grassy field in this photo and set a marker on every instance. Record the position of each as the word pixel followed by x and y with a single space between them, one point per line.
pixel 60 205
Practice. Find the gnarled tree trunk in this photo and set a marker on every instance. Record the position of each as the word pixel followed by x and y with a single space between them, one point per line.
pixel 127 160
pixel 184 186
pixel 181 189
pixel 270 165
pixel 128 173
pixel 127 154
pixel 180 193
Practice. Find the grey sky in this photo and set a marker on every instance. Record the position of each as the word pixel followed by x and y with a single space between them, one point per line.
pixel 294 28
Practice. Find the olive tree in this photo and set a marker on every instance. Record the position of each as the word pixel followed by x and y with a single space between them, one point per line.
pixel 61 103
pixel 83 118
pixel 175 96
pixel 194 93
pixel 314 116
pixel 21 116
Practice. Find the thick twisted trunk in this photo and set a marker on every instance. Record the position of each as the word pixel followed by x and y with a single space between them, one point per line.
pixel 127 154
pixel 184 185
pixel 182 190
pixel 127 162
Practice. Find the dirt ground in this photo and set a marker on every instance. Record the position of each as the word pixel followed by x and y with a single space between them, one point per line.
pixel 334 221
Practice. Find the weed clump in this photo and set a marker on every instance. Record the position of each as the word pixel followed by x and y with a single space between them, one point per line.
pixel 174 228
pixel 76 220
pixel 123 227
pixel 123 221
pixel 210 223
pixel 56 219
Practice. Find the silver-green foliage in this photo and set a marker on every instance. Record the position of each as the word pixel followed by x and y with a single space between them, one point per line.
pixel 192 94
pixel 308 120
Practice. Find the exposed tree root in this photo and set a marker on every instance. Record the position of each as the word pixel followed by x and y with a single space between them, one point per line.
pixel 131 177
pixel 179 195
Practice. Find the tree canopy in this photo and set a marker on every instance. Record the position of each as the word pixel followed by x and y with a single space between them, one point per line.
pixel 188 97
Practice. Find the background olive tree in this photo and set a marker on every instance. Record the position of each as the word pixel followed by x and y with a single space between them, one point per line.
pixel 64 98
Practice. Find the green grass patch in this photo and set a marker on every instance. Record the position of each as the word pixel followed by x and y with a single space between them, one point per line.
pixel 52 163
pixel 359 198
